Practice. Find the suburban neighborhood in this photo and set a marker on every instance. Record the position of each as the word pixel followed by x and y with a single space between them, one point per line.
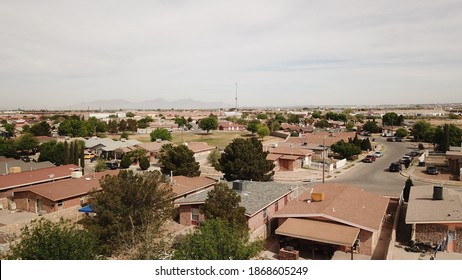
pixel 303 185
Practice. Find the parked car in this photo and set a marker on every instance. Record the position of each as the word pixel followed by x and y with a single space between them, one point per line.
pixel 89 155
pixel 394 167
pixel 369 158
pixel 432 170
pixel 378 154
pixel 112 165
pixel 405 159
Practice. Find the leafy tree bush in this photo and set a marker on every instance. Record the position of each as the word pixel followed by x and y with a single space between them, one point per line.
pixel 446 136
pixel 41 129
pixel 366 145
pixel 215 240
pixel 372 127
pixel 252 126
pixel 178 160
pixel 124 135
pixel 100 165
pixel 420 129
pixel 263 130
pixel 128 207
pixel 144 163
pixel 126 161
pixel 407 189
pixel 52 151
pixel 160 133
pixel 208 124
pixel 26 144
pixel 392 119
pixel 129 114
pixel 346 150
pixel 8 148
pixel 45 240
pixel 223 203
pixel 213 159
pixel 401 132
pixel 244 159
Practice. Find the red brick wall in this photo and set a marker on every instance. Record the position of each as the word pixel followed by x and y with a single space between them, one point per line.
pixel 21 202
pixel 185 214
pixel 430 232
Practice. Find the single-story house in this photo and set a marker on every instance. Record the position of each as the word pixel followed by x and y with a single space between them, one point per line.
pixel 35 177
pixel 333 216
pixel 261 200
pixel 12 165
pixel 289 158
pixel 54 196
pixel 229 126
pixel 108 148
pixel 153 148
pixel 435 213
pixel 201 150
pixel 183 186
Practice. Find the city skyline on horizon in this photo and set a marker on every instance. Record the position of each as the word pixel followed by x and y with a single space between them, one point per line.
pixel 286 54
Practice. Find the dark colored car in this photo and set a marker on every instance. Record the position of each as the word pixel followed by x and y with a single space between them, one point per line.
pixel 432 170
pixel 394 167
pixel 112 165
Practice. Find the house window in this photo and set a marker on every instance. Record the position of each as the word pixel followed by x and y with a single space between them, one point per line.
pixel 60 204
pixel 265 214
pixel 276 206
pixel 195 214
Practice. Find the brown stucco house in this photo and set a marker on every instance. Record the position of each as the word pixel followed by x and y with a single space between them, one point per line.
pixel 289 158
pixel 335 216
pixel 54 196
pixel 260 199
pixel 435 214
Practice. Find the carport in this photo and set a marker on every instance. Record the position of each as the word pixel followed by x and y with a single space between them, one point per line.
pixel 321 232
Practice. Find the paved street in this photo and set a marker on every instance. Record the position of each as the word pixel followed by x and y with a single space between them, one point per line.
pixel 374 177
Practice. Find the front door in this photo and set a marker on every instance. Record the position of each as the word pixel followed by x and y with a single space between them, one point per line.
pixel 38 205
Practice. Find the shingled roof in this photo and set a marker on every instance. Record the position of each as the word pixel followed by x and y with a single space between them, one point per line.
pixel 344 204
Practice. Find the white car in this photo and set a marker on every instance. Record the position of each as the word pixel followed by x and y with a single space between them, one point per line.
pixel 378 154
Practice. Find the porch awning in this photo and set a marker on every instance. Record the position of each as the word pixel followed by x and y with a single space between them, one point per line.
pixel 318 231
pixel 86 209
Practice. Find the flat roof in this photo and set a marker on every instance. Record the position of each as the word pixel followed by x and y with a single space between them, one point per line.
pixel 318 231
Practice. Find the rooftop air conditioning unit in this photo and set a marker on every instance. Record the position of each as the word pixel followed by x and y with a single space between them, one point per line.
pixel 76 174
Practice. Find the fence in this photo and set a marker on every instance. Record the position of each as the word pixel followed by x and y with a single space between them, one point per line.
pixel 340 163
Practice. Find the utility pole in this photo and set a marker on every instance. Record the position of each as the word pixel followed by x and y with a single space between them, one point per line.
pixel 323 159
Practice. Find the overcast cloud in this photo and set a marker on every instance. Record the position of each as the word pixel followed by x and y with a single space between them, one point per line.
pixel 59 53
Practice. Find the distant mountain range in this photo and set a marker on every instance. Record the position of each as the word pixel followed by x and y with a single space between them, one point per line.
pixel 159 103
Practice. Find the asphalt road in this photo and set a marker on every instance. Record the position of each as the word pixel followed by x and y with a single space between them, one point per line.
pixel 374 177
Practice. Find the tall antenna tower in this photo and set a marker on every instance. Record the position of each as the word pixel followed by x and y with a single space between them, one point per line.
pixel 236 101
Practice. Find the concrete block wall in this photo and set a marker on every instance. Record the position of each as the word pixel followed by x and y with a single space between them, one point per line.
pixel 458 241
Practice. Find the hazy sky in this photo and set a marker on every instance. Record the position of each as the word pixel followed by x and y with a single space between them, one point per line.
pixel 59 53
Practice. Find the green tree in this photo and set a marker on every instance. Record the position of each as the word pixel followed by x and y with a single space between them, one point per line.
pixel 208 124
pixel 392 119
pixel 66 153
pixel 293 119
pixel 407 189
pixel 26 129
pixel 123 125
pixel 144 163
pixel 316 114
pixel 451 116
pixel 126 161
pixel 244 159
pixel 124 135
pixel 252 126
pixel 41 129
pixel 113 126
pixel 181 122
pixel 346 150
pixel 401 132
pixel 132 125
pixel 262 116
pixel 10 128
pixel 82 156
pixel 263 130
pixel 8 148
pixel 160 133
pixel 372 127
pixel 101 165
pixel 45 240
pixel 178 160
pixel 52 151
pixel 446 136
pixel 223 203
pixel 26 144
pixel 366 145
pixel 322 123
pixel 215 240
pixel 129 206
pixel 213 159
pixel 419 129
pixel 129 115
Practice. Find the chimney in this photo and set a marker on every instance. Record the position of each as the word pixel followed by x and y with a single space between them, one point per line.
pixel 239 185
pixel 437 193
